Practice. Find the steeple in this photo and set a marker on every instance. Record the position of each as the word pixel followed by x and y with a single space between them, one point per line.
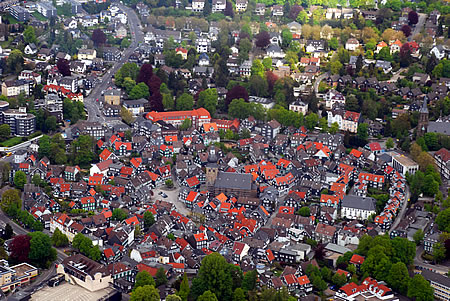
pixel 423 119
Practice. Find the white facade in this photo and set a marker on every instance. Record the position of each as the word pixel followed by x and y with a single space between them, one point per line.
pixel 299 107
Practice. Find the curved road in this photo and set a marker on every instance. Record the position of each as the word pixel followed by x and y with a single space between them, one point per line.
pixel 318 80
pixel 92 106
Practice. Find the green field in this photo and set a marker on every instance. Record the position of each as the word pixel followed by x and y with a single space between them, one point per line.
pixel 11 142
pixel 10 19
pixel 39 16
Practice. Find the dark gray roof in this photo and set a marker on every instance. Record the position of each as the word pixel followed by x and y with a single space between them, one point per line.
pixel 358 202
pixel 233 180
pixel 439 127
pixel 438 278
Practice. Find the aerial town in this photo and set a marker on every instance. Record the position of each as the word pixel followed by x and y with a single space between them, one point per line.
pixel 225 150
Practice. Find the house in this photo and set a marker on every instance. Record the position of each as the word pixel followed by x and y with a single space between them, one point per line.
pixel 112 97
pixel 121 32
pixel 203 60
pixel 275 51
pixel 332 98
pixel 241 5
pixel 395 46
pixel 352 44
pixel 440 52
pixel 218 6
pixel 277 11
pixel 314 46
pixel 295 28
pixel 356 207
pixel 442 159
pixel 198 5
pixel 181 51
pixel 260 9
pixel 271 129
pixel 87 54
pixel 30 49
pixel 347 120
pixel 299 107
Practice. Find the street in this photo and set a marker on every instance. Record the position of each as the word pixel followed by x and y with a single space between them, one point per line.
pixel 418 261
pixel 419 26
pixel 402 211
pixel 90 102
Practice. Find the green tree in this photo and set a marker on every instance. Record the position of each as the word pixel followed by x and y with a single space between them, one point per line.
pixel 130 70
pixel 419 289
pixel 20 179
pixel 267 63
pixel 389 143
pixel 335 67
pixel 363 131
pixel 187 123
pixel 398 277
pixel 334 128
pixel 239 295
pixel 443 220
pixel 333 43
pixel 208 99
pixel 168 101
pixel 339 279
pixel 173 298
pixel 249 280
pixel 41 252
pixel 29 36
pixel 82 150
pixel 5 131
pixel 143 278
pixel 304 211
pixel 214 275
pixel 59 239
pixel 185 102
pixel 438 252
pixel 15 61
pixel 161 277
pixel 139 91
pixel 311 120
pixel 207 296
pixel 11 199
pixel 119 214
pixel 418 237
pixel 184 290
pixel 145 293
pixel 257 68
pixel 286 37
pixel 149 219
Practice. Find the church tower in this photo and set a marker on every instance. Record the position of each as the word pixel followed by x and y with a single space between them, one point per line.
pixel 423 119
pixel 212 168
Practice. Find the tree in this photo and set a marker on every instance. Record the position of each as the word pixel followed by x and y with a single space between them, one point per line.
pixel 418 237
pixel 389 143
pixel 413 17
pixel 145 73
pixel 173 298
pixel 63 67
pixel 29 36
pixel 239 295
pixel 237 92
pixel 249 280
pixel 143 278
pixel 339 279
pixel 161 277
pixel 82 150
pixel 183 292
pixel 286 37
pixel 145 293
pixel 20 248
pixel 257 68
pixel 311 120
pixel 304 211
pixel 333 43
pixel 15 61
pixel 214 275
pixel 438 252
pixel 419 289
pixel 406 30
pixel 267 63
pixel 207 296
pixel 262 39
pixel 59 239
pixel 335 67
pixel 258 86
pixel 130 70
pixel 442 220
pixel 363 131
pixel 119 214
pixel 11 199
pixel 98 37
pixel 41 252
pixel 9 232
pixel 126 115
pixel 5 131
pixel 20 179
pixel 208 99
pixel 398 277
pixel 334 128
pixel 184 102
pixel 168 101
pixel 187 123
pixel 139 91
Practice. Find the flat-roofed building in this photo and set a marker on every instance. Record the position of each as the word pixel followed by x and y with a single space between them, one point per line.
pixel 15 276
pixel 440 283
pixel 403 164
pixel 198 117
pixel 19 13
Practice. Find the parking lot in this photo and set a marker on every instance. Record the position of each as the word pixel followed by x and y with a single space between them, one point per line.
pixel 67 292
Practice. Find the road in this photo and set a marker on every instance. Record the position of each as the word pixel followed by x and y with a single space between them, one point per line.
pixel 419 26
pixel 402 211
pixel 418 261
pixel 45 274
pixel 91 103
pixel 318 80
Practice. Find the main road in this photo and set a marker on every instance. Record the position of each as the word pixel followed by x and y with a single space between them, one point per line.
pixel 91 103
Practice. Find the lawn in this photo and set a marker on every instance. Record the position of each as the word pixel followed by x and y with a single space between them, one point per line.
pixel 6 43
pixel 11 142
pixel 39 16
pixel 10 19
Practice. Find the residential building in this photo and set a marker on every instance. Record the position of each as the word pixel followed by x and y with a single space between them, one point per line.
pixel 112 97
pixel 135 106
pixel 299 107
pixel 440 284
pixel 20 122
pixel 442 159
pixel 13 88
pixel 47 9
pixel 347 120
pixel 19 13
pixel 87 54
pixel 15 276
pixel 241 5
